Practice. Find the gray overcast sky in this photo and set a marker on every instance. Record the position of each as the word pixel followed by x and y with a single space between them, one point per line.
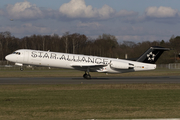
pixel 128 20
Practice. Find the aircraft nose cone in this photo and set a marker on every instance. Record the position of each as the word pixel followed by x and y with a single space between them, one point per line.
pixel 8 57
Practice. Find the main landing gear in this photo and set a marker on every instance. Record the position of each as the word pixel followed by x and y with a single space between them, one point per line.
pixel 87 76
pixel 21 68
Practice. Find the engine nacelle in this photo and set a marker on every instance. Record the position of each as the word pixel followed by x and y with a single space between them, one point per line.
pixel 121 65
pixel 19 64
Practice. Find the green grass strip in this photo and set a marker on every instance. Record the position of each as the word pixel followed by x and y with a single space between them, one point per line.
pixel 76 102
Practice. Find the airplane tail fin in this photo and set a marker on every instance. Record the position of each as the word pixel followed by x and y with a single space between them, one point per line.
pixel 152 54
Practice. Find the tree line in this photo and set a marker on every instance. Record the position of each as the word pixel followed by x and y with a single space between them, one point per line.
pixel 105 45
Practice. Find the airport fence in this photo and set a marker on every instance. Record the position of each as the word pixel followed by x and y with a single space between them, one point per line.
pixel 169 66
pixel 14 67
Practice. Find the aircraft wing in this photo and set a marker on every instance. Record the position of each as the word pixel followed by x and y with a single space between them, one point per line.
pixel 84 67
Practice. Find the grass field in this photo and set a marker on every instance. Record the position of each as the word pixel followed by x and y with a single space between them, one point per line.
pixel 76 102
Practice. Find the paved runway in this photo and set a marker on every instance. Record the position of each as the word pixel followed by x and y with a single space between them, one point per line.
pixel 99 80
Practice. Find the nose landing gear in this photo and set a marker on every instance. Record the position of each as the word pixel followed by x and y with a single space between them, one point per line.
pixel 21 68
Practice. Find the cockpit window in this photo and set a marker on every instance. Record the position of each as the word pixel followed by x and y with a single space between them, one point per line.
pixel 17 53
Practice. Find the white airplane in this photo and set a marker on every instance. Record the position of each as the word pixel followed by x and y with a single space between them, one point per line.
pixel 86 63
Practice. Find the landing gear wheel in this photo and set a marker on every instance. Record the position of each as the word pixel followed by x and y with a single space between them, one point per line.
pixel 87 76
pixel 21 69
pixel 84 76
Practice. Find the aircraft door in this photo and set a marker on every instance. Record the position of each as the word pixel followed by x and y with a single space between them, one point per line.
pixel 26 56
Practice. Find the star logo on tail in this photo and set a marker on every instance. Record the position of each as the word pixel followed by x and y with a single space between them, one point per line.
pixel 151 56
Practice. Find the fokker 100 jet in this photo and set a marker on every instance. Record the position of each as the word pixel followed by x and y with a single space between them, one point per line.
pixel 86 63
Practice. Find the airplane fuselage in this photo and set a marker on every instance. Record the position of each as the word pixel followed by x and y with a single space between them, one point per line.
pixel 76 61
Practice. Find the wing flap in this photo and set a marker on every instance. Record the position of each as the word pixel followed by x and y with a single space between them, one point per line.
pixel 88 65
pixel 91 67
